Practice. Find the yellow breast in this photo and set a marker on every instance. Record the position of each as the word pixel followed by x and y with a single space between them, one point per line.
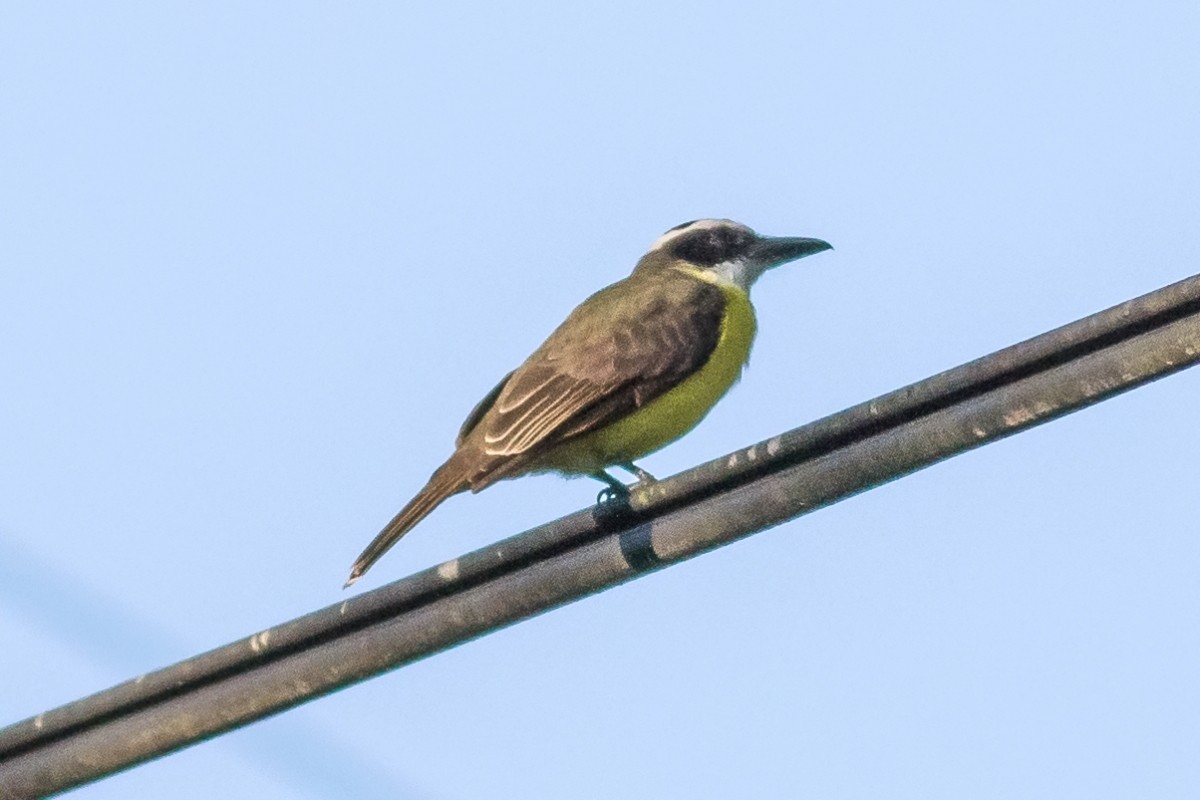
pixel 671 415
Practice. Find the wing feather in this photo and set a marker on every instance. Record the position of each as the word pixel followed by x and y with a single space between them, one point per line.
pixel 623 347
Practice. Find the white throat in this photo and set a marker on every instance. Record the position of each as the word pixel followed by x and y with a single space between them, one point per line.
pixel 738 271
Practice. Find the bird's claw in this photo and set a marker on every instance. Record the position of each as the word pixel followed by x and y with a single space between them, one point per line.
pixel 611 494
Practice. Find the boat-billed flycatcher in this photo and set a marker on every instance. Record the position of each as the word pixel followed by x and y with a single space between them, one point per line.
pixel 633 368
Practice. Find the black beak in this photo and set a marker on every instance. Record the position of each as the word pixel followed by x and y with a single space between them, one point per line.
pixel 771 251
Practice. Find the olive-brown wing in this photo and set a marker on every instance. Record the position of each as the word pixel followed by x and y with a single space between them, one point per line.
pixel 620 349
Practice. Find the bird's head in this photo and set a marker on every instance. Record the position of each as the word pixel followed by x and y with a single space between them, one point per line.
pixel 728 249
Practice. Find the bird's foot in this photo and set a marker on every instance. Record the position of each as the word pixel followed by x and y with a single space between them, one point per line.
pixel 612 494
pixel 613 490
pixel 643 477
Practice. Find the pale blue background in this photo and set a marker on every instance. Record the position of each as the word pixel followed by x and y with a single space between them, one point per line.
pixel 259 260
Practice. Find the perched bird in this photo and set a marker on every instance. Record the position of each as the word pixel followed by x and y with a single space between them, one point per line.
pixel 634 367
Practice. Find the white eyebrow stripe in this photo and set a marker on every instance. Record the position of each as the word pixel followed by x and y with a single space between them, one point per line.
pixel 697 225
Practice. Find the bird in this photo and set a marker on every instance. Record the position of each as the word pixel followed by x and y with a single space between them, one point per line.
pixel 633 368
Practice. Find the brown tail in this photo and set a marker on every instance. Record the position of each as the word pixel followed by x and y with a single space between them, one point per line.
pixel 449 480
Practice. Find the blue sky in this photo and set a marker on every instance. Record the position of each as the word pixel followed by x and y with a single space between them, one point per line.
pixel 258 263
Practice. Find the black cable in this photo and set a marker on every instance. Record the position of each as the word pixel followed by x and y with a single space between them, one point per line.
pixel 716 503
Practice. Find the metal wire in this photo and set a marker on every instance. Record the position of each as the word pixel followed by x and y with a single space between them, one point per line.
pixel 714 504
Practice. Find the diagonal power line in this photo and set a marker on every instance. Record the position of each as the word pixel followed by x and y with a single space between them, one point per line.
pixel 716 503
